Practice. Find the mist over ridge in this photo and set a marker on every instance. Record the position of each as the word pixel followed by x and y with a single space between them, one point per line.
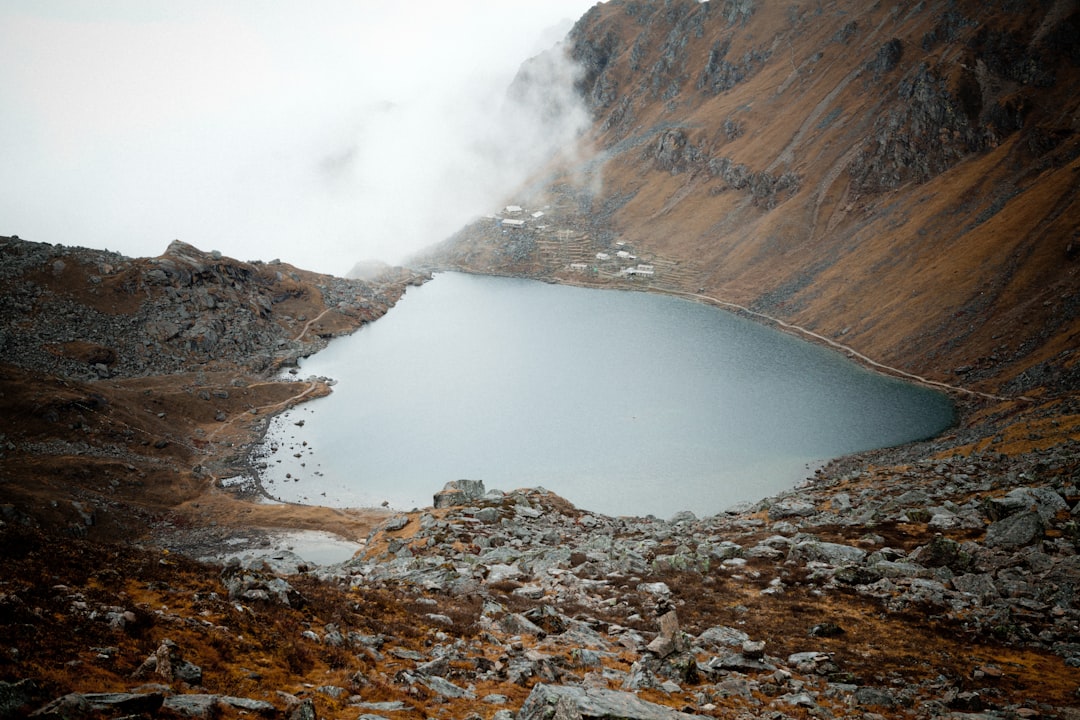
pixel 323 137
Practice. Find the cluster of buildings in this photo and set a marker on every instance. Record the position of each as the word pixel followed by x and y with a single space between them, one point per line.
pixel 514 221
pixel 622 255
pixel 621 262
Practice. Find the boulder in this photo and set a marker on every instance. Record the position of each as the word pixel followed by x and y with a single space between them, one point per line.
pixel 670 639
pixel 252 585
pixel 682 668
pixel 87 705
pixel 1044 501
pixel 547 702
pixel 857 575
pixel 942 552
pixel 193 706
pixel 868 696
pixel 247 705
pixel 813 661
pixel 445 688
pixel 922 591
pixel 979 585
pixel 501 572
pixel 642 676
pixel 831 553
pixel 459 492
pixel 1016 530
pixel 549 619
pixel 753 649
pixel 130 703
pixel 891 569
pixel 791 507
pixel 518 624
pixel 395 523
pixel 721 635
pixel 72 706
pixel 738 662
pixel 723 551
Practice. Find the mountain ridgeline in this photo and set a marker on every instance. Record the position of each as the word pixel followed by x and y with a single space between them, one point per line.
pixel 901 178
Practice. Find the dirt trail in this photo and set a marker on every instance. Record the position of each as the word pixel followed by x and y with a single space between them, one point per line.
pixel 312 386
pixel 312 321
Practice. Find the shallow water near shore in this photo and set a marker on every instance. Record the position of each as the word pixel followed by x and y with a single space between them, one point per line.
pixel 624 403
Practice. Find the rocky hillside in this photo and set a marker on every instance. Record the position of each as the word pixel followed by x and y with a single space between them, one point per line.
pixel 94 314
pixel 132 385
pixel 901 178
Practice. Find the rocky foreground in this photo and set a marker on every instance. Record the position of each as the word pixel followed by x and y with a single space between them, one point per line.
pixel 944 590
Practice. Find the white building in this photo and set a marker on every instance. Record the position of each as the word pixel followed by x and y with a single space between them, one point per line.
pixel 603 256
pixel 513 209
pixel 509 222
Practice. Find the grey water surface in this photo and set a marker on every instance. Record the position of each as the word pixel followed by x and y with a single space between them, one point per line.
pixel 625 403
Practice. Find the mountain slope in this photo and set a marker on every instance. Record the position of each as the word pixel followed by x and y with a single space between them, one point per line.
pixel 899 177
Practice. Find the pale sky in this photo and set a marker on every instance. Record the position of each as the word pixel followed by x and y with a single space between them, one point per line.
pixel 321 133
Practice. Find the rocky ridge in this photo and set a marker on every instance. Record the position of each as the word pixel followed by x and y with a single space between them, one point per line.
pixel 980 546
pixel 184 310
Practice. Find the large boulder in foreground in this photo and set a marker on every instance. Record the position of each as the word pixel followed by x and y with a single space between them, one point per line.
pixel 563 702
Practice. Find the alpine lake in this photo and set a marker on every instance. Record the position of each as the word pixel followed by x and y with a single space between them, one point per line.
pixel 624 403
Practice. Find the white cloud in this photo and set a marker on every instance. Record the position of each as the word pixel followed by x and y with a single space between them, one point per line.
pixel 321 133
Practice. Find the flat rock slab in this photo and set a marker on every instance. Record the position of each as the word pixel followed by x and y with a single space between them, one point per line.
pixel 563 702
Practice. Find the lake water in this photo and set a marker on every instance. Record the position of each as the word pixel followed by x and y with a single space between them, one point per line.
pixel 625 403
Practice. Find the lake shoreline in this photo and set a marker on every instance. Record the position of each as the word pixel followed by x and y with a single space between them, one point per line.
pixel 760 318
pixel 332 365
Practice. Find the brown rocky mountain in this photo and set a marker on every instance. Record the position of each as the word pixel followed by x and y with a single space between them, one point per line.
pixel 897 180
pixel 130 385
pixel 899 177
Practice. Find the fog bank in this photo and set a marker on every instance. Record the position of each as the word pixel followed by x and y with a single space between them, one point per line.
pixel 321 134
